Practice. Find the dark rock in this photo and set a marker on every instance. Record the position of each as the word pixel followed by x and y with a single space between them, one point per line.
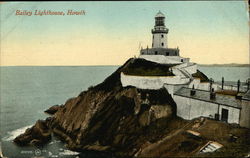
pixel 53 109
pixel 39 134
pixel 106 117
pixel 201 76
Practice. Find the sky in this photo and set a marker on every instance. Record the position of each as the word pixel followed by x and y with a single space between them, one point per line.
pixel 208 32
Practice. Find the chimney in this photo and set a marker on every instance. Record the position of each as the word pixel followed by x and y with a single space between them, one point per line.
pixel 211 84
pixel 238 86
pixel 192 92
pixel 248 84
pixel 222 83
pixel 212 94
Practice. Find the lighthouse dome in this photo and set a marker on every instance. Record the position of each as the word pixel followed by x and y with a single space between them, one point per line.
pixel 159 14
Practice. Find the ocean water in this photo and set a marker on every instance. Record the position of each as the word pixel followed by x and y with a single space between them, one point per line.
pixel 27 91
pixel 229 73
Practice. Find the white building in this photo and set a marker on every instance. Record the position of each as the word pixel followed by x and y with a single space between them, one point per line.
pixel 221 107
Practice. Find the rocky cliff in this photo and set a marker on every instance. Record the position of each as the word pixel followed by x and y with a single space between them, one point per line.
pixel 107 117
pixel 125 121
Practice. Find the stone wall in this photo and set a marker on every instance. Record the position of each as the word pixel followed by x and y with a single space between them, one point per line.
pixel 151 82
pixel 162 59
pixel 160 51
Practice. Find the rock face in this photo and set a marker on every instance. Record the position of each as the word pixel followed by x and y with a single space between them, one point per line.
pixel 53 109
pixel 100 120
pixel 37 135
pixel 127 121
pixel 107 117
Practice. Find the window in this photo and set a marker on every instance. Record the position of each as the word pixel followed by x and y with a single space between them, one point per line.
pixel 162 36
pixel 181 60
pixel 156 52
pixel 162 44
pixel 167 53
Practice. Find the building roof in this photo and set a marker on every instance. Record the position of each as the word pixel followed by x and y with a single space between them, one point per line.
pixel 205 96
pixel 159 14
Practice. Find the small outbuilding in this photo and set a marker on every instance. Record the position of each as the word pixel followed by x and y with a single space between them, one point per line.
pixel 195 103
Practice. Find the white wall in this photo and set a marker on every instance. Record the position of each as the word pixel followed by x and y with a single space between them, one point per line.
pixel 151 82
pixel 183 107
pixel 233 114
pixel 216 86
pixel 157 40
pixel 181 65
pixel 203 86
pixel 206 86
pixel 245 114
pixel 162 59
pixel 170 89
pixel 191 69
pixel 195 82
pixel 202 108
pixel 189 108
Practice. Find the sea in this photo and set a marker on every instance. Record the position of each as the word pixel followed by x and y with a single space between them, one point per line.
pixel 26 91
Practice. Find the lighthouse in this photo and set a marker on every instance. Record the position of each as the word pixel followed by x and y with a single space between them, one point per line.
pixel 159 32
pixel 159 41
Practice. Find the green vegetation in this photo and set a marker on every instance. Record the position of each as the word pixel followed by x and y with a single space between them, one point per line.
pixel 201 76
pixel 141 67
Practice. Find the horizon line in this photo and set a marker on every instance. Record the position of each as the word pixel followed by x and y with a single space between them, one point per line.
pixel 105 65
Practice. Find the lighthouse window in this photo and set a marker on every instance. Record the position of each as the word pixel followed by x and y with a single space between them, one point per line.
pixel 162 44
pixel 162 36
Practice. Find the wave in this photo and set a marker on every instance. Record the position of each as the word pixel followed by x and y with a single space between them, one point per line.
pixel 69 152
pixel 13 134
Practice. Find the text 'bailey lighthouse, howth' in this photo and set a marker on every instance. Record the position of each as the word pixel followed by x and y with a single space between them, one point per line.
pixel 194 94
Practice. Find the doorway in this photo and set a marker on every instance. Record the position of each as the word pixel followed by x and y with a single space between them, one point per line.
pixel 224 115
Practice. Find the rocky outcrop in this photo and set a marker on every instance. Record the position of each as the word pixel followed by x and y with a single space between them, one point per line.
pixel 127 121
pixel 106 117
pixel 111 121
pixel 37 135
pixel 53 109
pixel 110 118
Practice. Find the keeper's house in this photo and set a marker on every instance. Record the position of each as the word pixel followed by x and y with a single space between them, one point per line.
pixel 193 103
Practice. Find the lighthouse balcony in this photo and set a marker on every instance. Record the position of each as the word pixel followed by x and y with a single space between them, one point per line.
pixel 160 51
pixel 165 30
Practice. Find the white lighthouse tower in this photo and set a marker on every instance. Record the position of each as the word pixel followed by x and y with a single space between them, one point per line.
pixel 160 51
pixel 159 41
pixel 159 32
